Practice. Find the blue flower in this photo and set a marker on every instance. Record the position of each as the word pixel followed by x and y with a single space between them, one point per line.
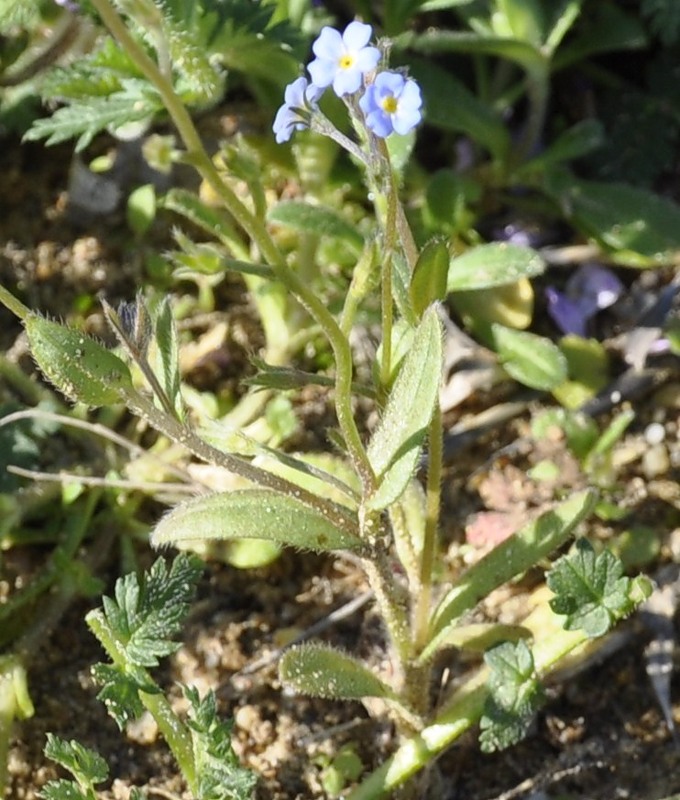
pixel 391 104
pixel 343 60
pixel 299 101
pixel 590 289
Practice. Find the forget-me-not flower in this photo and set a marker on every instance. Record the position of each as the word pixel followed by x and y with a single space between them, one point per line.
pixel 299 101
pixel 391 104
pixel 590 289
pixel 343 60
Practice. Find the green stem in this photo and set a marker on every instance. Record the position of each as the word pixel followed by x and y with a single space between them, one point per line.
pixel 258 233
pixel 175 733
pixel 460 713
pixel 537 94
pixel 185 436
pixel 13 304
pixel 392 607
pixel 386 287
pixel 423 601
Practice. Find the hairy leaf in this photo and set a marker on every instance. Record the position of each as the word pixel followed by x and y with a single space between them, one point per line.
pixel 255 514
pixel 514 696
pixel 395 446
pixel 591 590
pixel 495 264
pixel 84 119
pixel 79 366
pixel 322 671
pixel 512 557
pixel 316 220
pixel 530 359
pixel 220 774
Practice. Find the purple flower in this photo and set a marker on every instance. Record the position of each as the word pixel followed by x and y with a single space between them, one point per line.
pixel 391 104
pixel 566 313
pixel 300 100
pixel 69 5
pixel 594 287
pixel 343 60
pixel 590 289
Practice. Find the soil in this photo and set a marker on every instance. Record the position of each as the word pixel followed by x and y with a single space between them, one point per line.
pixel 602 733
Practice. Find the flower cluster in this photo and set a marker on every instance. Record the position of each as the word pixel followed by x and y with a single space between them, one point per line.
pixel 389 101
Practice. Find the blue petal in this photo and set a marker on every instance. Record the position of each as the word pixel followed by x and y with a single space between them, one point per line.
pixel 566 314
pixel 322 71
pixel 356 35
pixel 380 123
pixel 346 81
pixel 328 45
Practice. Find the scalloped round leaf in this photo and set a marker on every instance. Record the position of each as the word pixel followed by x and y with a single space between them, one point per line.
pixel 79 366
pixel 495 264
pixel 321 671
pixel 253 514
pixel 532 360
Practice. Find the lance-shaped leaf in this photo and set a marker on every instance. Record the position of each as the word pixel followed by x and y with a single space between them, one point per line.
pixel 318 220
pixel 495 264
pixel 321 671
pixel 253 514
pixel 79 366
pixel 395 446
pixel 512 557
pixel 429 275
pixel 167 354
pixel 530 359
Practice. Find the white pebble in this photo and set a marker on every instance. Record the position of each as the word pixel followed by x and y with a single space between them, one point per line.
pixel 655 433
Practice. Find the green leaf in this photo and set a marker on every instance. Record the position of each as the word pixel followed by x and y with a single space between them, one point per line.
pixel 213 221
pixel 521 551
pixel 220 774
pixel 119 693
pixel 577 141
pixel 167 354
pixel 317 220
pixel 642 228
pixel 532 360
pixel 428 282
pixel 141 209
pixel 84 764
pixel 322 671
pixel 480 636
pixel 147 612
pixel 524 20
pixel 256 514
pixel 395 446
pixel 435 40
pixel 18 13
pixel 591 590
pixel 453 107
pixel 63 790
pixel 79 366
pixel 494 264
pixel 84 119
pixel 514 696
pixel 609 28
pixel 588 367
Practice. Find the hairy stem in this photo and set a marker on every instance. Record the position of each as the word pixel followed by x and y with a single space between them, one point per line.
pixel 257 231
pixel 423 601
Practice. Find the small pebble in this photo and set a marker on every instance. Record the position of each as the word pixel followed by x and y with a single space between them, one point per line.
pixel 655 461
pixel 655 433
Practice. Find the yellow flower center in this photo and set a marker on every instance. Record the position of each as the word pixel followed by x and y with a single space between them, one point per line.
pixel 389 104
pixel 346 61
